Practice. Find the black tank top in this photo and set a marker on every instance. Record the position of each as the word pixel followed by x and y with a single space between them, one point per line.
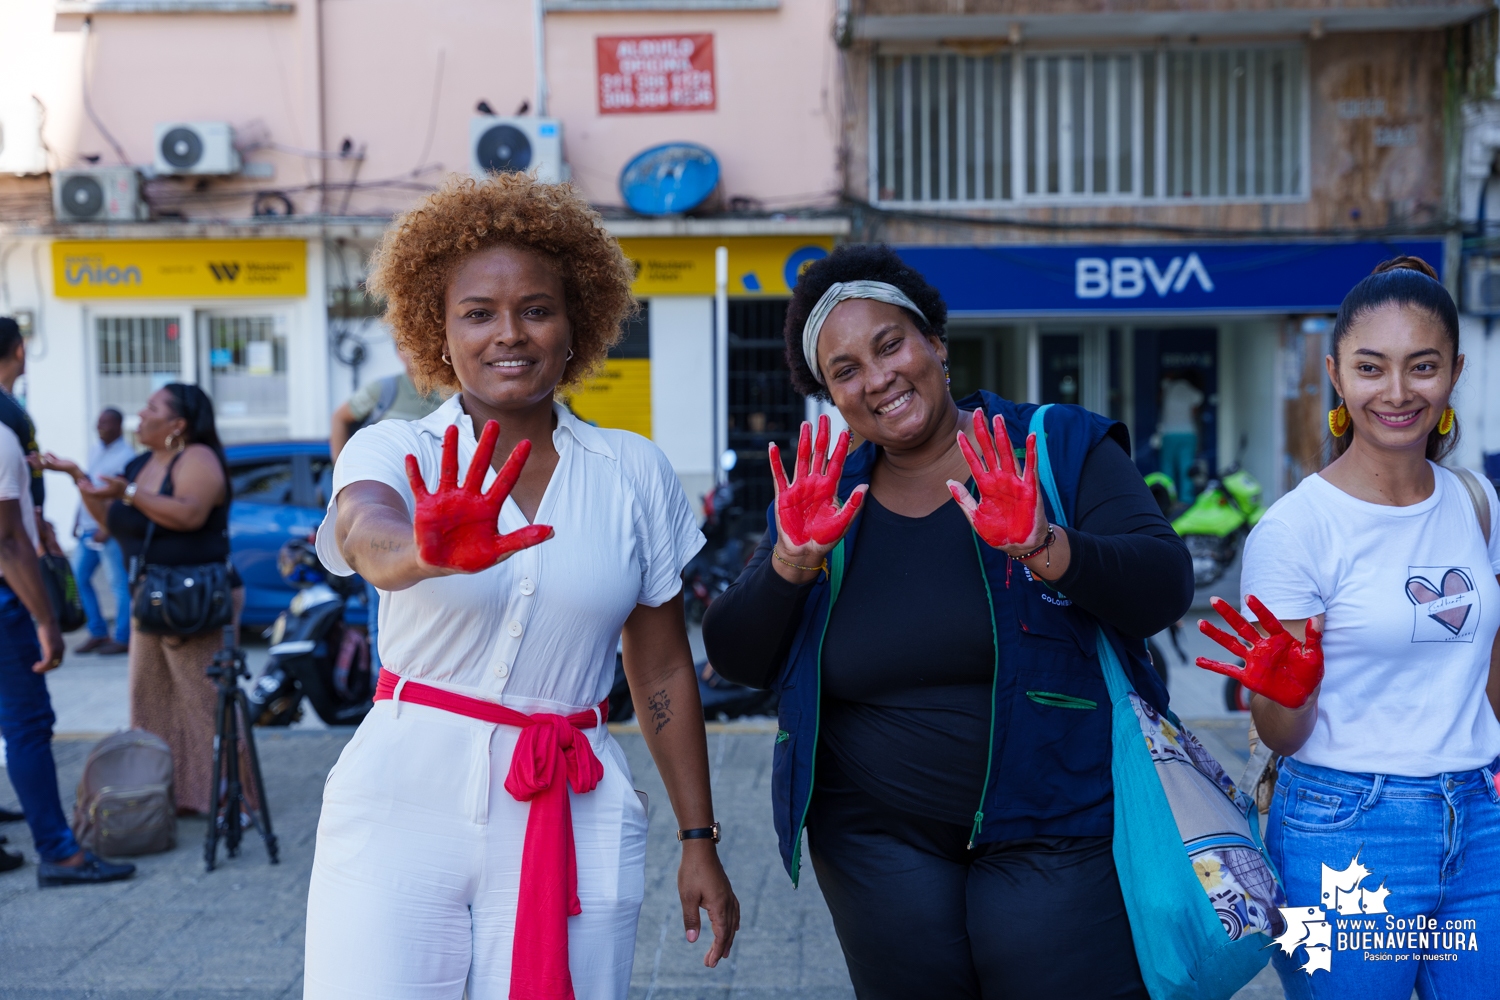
pixel 209 543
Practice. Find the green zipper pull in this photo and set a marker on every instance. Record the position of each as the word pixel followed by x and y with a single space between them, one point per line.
pixel 974 833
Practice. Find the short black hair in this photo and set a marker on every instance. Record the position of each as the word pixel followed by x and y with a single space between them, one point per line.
pixel 1401 281
pixel 10 336
pixel 111 411
pixel 855 262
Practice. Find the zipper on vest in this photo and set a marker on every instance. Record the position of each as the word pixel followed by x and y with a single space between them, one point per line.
pixel 835 579
pixel 989 759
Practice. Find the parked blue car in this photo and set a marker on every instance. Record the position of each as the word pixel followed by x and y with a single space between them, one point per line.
pixel 281 490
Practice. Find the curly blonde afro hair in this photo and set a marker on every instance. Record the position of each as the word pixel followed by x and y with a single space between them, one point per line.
pixel 420 251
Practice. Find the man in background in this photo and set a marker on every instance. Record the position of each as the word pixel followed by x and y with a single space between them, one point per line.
pixel 30 645
pixel 108 456
pixel 391 398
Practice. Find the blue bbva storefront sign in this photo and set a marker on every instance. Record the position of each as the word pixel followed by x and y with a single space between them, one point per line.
pixel 1155 278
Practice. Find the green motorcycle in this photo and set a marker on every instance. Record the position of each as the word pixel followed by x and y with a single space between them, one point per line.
pixel 1214 526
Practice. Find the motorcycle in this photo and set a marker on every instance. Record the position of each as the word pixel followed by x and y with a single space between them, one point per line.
pixel 724 554
pixel 314 653
pixel 1215 525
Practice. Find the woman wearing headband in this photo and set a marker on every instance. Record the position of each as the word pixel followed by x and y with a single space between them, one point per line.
pixel 480 836
pixel 1380 682
pixel 945 729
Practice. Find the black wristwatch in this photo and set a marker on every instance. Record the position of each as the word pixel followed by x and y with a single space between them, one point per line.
pixel 700 833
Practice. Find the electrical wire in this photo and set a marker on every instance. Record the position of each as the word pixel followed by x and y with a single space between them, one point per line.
pixel 432 116
pixel 1438 227
pixel 88 104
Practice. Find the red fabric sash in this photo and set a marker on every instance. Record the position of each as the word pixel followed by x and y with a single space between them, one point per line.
pixel 548 750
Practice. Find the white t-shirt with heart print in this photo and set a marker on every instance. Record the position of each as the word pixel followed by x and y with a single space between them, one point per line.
pixel 1411 608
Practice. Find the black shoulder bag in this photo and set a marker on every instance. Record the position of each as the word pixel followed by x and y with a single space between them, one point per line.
pixel 178 600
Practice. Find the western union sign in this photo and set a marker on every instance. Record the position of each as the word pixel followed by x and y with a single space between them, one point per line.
pixel 758 265
pixel 179 269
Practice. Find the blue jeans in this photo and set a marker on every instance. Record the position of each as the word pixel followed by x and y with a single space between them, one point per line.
pixel 26 724
pixel 372 626
pixel 86 560
pixel 1427 914
pixel 1178 452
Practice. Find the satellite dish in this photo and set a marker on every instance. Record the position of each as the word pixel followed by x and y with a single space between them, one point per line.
pixel 670 179
pixel 503 148
pixel 182 147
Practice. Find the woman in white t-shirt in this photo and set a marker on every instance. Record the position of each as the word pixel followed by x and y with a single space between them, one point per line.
pixel 480 834
pixel 1385 823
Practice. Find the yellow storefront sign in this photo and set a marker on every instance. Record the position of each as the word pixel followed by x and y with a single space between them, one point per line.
pixel 619 396
pixel 179 269
pixel 758 265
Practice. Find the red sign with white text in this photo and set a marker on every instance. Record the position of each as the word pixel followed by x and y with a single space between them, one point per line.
pixel 645 73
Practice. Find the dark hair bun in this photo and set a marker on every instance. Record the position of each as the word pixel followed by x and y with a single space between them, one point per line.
pixel 1406 263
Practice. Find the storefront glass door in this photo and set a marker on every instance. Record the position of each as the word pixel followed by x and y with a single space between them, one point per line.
pixel 242 366
pixel 135 354
pixel 1176 405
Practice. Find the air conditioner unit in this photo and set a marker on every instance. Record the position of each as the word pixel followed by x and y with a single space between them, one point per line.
pixel 1482 286
pixel 499 144
pixel 107 194
pixel 196 148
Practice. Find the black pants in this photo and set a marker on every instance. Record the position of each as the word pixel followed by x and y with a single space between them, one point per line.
pixel 919 915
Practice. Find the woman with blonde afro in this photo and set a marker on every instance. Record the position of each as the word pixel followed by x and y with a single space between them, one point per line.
pixel 480 834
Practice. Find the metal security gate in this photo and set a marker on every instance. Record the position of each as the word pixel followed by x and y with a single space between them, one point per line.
pixel 763 407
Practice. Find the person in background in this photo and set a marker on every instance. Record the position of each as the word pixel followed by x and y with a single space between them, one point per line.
pixel 394 397
pixel 1177 431
pixel 30 645
pixel 107 457
pixel 170 695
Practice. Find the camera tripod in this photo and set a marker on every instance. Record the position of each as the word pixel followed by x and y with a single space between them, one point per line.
pixel 231 806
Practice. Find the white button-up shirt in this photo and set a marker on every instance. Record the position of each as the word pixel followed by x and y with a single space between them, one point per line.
pixel 539 631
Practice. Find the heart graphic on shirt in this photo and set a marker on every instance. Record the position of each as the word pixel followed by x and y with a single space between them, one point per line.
pixel 1455 582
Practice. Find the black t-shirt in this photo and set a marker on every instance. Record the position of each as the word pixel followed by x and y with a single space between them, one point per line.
pixel 909 664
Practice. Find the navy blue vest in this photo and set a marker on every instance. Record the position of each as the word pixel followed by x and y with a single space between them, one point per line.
pixel 1049 753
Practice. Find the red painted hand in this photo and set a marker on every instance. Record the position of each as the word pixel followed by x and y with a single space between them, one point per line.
pixel 1009 512
pixel 807 509
pixel 1276 665
pixel 457 527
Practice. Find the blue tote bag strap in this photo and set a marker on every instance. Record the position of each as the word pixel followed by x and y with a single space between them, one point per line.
pixel 1180 939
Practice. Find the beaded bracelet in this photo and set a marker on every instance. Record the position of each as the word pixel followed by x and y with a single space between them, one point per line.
pixel 823 566
pixel 1046 547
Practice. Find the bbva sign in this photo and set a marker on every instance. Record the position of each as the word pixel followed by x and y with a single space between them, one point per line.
pixel 1129 277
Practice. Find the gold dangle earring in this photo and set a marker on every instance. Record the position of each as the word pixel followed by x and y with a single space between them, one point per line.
pixel 947 379
pixel 1446 421
pixel 1338 420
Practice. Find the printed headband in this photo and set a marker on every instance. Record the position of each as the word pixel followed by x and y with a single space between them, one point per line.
pixel 841 291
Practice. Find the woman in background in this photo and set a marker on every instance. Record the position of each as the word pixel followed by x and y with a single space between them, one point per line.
pixel 181 485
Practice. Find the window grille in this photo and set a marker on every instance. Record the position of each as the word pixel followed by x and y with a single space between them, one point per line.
pixel 137 355
pixel 965 131
pixel 763 406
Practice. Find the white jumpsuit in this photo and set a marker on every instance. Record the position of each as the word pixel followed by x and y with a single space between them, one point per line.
pixel 417 870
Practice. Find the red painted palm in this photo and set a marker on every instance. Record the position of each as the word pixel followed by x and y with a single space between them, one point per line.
pixel 457 527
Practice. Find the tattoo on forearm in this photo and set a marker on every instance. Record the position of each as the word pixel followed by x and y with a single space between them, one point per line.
pixel 660 704
pixel 385 545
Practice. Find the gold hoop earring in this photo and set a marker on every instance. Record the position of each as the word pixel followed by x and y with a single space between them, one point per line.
pixel 1446 421
pixel 1338 420
pixel 175 442
pixel 445 360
